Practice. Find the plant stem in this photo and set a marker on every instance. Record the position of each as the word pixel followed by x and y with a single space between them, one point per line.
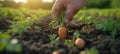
pixel 61 20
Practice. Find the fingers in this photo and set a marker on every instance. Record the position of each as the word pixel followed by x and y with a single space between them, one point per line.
pixel 69 14
pixel 57 9
pixel 73 8
pixel 55 15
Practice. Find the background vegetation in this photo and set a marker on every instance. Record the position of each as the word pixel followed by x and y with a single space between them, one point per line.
pixel 34 4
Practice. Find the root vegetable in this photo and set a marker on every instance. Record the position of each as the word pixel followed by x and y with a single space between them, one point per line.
pixel 62 32
pixel 79 43
pixel 56 52
pixel 83 52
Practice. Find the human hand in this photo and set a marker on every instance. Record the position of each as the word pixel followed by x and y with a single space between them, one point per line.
pixel 70 7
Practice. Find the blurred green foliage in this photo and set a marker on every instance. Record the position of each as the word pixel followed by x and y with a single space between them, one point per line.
pixel 99 4
pixel 92 50
pixel 109 25
pixel 115 3
pixel 107 20
pixel 14 46
pixel 9 3
pixel 35 4
pixel 4 38
pixel 32 4
pixel 69 42
pixel 99 13
pixel 19 20
pixel 8 45
pixel 22 12
pixel 53 39
pixel 103 4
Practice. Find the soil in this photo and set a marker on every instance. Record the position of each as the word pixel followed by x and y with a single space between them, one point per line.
pixel 38 41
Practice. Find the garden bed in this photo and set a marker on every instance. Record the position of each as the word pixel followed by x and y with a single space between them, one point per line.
pixel 38 42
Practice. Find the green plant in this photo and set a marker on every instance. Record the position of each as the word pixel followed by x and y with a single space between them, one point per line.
pixel 77 34
pixel 62 31
pixel 98 13
pixel 37 28
pixel 6 12
pixel 61 19
pixel 18 27
pixel 85 19
pixel 4 39
pixel 68 42
pixel 52 24
pixel 6 44
pixel 14 46
pixel 70 31
pixel 109 25
pixel 53 39
pixel 92 50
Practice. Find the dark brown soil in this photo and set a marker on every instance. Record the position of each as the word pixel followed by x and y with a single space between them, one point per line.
pixel 38 42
